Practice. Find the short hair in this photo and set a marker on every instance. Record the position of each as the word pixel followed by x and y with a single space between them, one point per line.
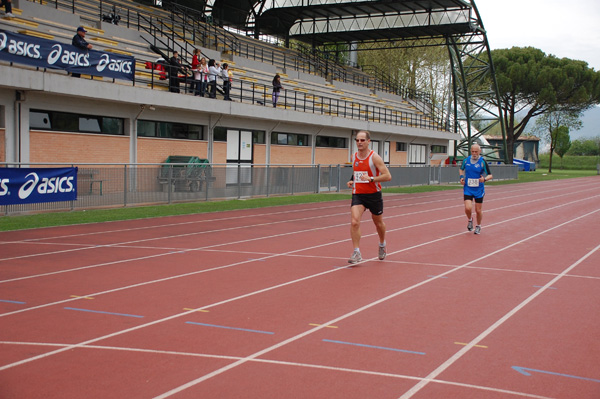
pixel 365 132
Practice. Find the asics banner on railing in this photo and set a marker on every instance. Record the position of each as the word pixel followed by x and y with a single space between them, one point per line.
pixel 33 185
pixel 43 53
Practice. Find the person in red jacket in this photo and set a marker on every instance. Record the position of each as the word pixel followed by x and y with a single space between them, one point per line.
pixel 369 171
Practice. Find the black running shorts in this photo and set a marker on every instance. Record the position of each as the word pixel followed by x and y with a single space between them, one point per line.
pixel 373 202
pixel 471 198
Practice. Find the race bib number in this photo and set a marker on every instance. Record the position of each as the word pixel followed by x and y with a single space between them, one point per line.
pixel 358 175
pixel 473 182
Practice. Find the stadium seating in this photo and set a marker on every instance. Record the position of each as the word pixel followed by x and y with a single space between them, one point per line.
pixel 254 64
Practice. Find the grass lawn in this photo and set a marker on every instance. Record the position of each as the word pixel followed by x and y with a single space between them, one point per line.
pixel 18 222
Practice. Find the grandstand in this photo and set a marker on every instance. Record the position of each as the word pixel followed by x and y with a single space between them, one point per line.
pixel 50 117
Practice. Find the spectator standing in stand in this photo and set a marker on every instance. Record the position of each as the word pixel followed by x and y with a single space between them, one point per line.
pixel 80 42
pixel 175 68
pixel 226 82
pixel 276 89
pixel 195 85
pixel 8 7
pixel 213 72
pixel 203 68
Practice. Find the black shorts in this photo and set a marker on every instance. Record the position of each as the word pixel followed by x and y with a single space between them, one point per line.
pixel 373 202
pixel 471 198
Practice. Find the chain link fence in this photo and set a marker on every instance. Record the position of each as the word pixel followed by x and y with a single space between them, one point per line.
pixel 123 185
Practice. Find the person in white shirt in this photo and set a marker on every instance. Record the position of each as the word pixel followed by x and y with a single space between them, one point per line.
pixel 214 70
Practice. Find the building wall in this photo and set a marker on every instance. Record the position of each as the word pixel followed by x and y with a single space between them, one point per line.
pixel 219 152
pixel 2 146
pixel 331 156
pixel 397 157
pixel 260 154
pixel 75 148
pixel 152 150
pixel 291 154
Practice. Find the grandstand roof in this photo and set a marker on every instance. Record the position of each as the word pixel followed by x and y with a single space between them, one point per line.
pixel 332 21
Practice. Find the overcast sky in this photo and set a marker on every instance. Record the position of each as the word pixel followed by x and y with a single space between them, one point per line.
pixel 568 29
pixel 563 28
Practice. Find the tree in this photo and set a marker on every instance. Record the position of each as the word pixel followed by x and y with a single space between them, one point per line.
pixel 562 143
pixel 553 126
pixel 532 83
pixel 416 69
pixel 585 147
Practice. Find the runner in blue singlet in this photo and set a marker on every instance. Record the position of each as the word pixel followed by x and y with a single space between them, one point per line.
pixel 474 172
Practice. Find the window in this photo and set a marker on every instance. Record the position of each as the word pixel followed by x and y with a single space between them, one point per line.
pixel 69 122
pixel 417 154
pixel 220 134
pixel 438 149
pixel 258 137
pixel 335 142
pixel 170 130
pixel 400 146
pixel 289 139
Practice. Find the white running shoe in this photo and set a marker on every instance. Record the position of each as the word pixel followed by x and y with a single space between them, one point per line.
pixel 355 257
pixel 477 230
pixel 382 252
pixel 470 225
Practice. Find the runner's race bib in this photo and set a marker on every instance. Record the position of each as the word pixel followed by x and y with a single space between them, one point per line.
pixel 357 177
pixel 473 182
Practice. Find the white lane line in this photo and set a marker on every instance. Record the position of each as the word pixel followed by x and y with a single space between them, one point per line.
pixel 264 257
pixel 230 243
pixel 409 394
pixel 368 306
pixel 281 363
pixel 123 243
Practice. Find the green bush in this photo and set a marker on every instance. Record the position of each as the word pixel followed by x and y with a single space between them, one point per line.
pixel 569 162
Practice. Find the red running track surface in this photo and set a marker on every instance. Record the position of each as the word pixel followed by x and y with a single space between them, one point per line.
pixel 262 303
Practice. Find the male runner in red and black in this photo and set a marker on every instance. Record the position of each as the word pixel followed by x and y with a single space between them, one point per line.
pixel 369 171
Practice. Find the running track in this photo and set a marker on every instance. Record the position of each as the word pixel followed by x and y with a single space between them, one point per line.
pixel 262 304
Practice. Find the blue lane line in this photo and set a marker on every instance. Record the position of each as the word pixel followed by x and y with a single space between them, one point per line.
pixel 526 371
pixel 99 311
pixel 374 347
pixel 230 328
pixel 6 300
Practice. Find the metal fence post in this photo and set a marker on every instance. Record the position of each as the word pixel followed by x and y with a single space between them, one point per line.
pixel 72 202
pixel 125 186
pixel 318 188
pixel 170 184
pixel 339 178
pixel 292 181
pixel 267 172
pixel 239 180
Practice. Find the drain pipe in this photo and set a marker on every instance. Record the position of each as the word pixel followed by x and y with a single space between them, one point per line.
pixel 19 100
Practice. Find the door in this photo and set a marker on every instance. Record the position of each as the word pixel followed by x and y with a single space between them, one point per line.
pixel 386 152
pixel 239 157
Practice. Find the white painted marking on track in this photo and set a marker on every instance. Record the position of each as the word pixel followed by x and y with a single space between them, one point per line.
pixel 379 301
pixel 409 394
pixel 265 257
pixel 282 363
pixel 311 277
pixel 124 243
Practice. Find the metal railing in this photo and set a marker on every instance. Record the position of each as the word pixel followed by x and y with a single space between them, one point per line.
pixel 124 185
pixel 186 24
pixel 257 93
